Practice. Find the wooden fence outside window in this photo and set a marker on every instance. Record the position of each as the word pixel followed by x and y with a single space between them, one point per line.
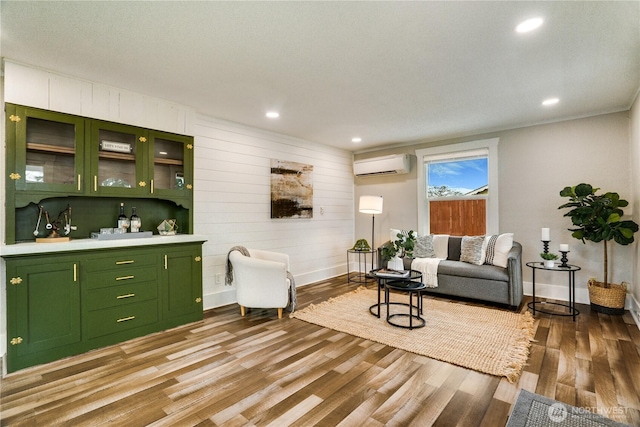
pixel 458 217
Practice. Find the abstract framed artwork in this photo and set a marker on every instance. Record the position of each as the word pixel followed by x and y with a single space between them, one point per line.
pixel 291 189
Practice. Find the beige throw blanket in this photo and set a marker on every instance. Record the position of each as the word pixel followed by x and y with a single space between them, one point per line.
pixel 429 269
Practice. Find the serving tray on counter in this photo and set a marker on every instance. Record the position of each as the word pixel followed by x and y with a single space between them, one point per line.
pixel 118 236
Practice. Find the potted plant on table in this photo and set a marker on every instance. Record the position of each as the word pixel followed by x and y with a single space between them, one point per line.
pixel 598 218
pixel 549 259
pixel 395 251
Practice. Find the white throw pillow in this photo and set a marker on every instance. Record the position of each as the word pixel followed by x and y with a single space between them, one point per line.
pixel 441 245
pixel 497 249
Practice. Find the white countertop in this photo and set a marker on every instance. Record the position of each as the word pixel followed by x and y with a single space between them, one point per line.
pixel 88 244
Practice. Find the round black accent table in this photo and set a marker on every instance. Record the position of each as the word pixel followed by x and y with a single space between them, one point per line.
pixel 382 279
pixel 571 270
pixel 410 287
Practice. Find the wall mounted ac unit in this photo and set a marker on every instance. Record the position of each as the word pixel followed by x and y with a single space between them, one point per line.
pixel 386 165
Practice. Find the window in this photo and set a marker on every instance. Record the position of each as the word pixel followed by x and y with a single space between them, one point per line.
pixel 457 189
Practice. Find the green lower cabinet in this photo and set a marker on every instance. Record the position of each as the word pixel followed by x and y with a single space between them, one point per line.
pixel 62 305
pixel 119 319
pixel 43 311
pixel 182 284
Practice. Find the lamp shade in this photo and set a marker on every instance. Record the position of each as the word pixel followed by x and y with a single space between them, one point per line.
pixel 370 204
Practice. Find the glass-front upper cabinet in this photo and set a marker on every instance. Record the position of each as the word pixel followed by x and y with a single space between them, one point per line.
pixel 118 159
pixel 172 165
pixel 49 150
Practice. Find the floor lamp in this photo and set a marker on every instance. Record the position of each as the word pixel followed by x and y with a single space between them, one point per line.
pixel 371 205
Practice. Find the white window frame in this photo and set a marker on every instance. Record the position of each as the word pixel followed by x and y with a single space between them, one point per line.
pixel 492 214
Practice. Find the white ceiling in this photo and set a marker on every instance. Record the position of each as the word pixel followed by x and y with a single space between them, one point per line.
pixel 389 72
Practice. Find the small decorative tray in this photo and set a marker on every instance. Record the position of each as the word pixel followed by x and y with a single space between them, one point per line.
pixel 109 236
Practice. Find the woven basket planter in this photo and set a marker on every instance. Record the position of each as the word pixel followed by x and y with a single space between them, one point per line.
pixel 607 300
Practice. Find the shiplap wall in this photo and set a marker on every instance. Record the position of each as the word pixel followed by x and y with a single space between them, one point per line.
pixel 232 203
pixel 48 90
pixel 232 179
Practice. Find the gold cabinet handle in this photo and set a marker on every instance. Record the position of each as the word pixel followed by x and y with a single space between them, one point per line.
pixel 125 277
pixel 129 261
pixel 142 184
pixel 14 176
pixel 165 263
pixel 125 296
pixel 79 183
pixel 151 186
pixel 16 341
pixel 125 319
pixel 95 182
pixel 75 272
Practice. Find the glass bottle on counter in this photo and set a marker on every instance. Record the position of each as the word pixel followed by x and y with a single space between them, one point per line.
pixel 123 221
pixel 135 221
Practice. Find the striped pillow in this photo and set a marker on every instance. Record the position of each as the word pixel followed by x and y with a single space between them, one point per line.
pixel 497 249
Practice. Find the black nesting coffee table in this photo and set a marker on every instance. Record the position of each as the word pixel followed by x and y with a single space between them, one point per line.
pixel 410 287
pixel 413 275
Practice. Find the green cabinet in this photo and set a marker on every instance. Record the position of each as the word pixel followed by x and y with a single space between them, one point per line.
pixel 45 151
pixel 62 158
pixel 118 159
pixel 181 268
pixel 43 309
pixel 170 165
pixel 132 161
pixel 64 304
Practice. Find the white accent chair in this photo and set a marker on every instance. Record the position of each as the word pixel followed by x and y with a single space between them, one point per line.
pixel 261 279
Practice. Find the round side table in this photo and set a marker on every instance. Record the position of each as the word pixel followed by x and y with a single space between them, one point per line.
pixel 360 275
pixel 414 275
pixel 410 287
pixel 571 270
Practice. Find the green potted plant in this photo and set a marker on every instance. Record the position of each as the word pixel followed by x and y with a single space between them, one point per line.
pixel 549 259
pixel 598 218
pixel 396 250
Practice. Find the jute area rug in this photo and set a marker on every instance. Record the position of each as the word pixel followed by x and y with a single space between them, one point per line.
pixel 488 340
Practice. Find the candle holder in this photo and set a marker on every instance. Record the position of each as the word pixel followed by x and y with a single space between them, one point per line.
pixel 545 244
pixel 564 259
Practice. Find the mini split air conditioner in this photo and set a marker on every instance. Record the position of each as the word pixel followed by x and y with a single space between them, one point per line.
pixel 393 164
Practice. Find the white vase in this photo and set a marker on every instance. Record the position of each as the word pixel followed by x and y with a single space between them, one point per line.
pixel 395 263
pixel 549 263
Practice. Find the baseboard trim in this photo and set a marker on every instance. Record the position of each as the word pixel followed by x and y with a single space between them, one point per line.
pixel 558 292
pixel 227 295
pixel 561 293
pixel 635 309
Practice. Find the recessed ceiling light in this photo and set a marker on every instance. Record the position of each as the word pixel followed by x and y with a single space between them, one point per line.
pixel 550 101
pixel 164 153
pixel 529 25
pixel 356 139
pixel 273 114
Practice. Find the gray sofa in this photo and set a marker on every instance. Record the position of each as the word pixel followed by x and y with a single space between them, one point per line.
pixel 481 282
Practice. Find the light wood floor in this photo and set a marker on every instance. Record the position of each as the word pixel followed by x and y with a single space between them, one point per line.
pixel 258 370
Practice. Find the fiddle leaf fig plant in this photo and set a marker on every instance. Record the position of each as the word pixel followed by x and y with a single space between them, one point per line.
pixel 598 218
pixel 402 246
